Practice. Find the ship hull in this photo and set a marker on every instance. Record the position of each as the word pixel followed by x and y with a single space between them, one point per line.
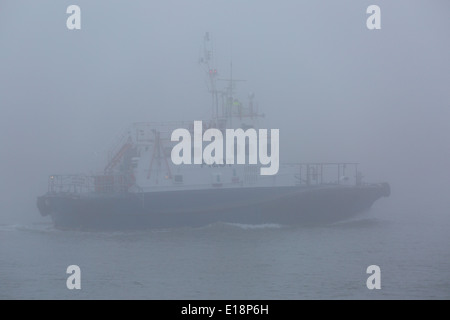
pixel 259 205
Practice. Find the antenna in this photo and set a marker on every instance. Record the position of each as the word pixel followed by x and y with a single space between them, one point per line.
pixel 231 81
pixel 231 84
pixel 207 60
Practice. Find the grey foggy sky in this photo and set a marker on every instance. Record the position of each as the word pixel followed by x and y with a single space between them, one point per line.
pixel 337 91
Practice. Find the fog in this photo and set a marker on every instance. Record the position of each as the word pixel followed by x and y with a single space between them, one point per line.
pixel 336 90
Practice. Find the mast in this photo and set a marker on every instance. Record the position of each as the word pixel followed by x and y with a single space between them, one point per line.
pixel 229 94
pixel 207 60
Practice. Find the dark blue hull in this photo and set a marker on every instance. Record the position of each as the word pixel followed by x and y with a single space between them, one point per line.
pixel 259 205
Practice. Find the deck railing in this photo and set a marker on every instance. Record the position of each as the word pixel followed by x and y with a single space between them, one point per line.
pixel 77 183
pixel 303 174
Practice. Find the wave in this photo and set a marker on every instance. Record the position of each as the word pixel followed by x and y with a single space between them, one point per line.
pixel 255 226
pixel 359 222
pixel 33 227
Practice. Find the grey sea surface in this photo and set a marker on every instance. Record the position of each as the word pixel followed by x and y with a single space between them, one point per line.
pixel 227 261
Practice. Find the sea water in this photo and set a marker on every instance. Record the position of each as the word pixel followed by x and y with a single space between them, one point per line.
pixel 233 261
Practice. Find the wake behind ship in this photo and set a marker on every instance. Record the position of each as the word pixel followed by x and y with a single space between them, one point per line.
pixel 140 187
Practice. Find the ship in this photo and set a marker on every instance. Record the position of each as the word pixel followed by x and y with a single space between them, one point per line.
pixel 140 187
